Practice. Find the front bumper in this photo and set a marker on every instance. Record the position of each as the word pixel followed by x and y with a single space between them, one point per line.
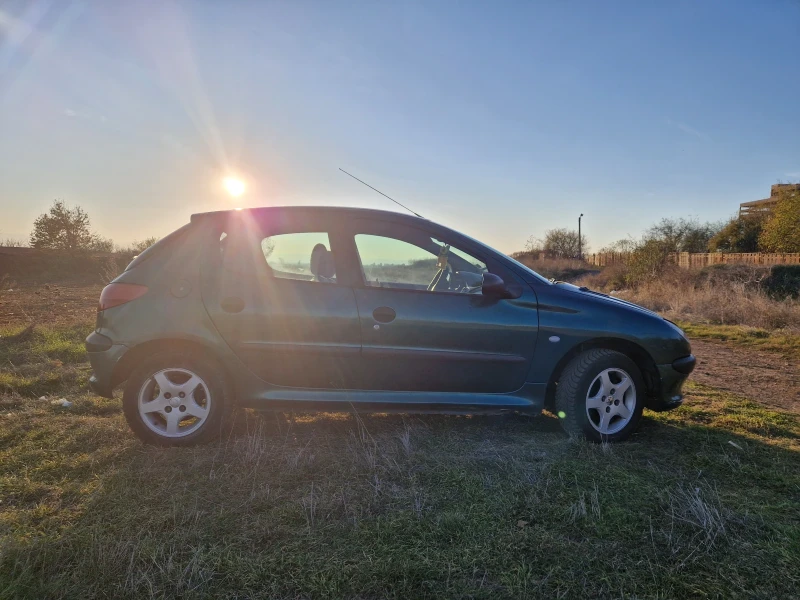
pixel 104 356
pixel 672 377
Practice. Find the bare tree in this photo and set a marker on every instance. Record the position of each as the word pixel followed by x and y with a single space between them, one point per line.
pixel 624 245
pixel 564 243
pixel 534 245
pixel 682 235
pixel 139 247
pixel 12 243
pixel 101 244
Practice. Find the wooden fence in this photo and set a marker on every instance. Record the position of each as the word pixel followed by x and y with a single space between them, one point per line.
pixel 605 259
pixel 690 260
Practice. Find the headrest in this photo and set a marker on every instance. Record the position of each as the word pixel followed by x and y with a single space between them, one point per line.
pixel 322 264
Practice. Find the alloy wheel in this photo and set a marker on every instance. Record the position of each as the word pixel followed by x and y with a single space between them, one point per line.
pixel 174 402
pixel 611 401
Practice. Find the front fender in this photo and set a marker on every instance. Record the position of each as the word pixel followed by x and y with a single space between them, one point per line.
pixel 568 319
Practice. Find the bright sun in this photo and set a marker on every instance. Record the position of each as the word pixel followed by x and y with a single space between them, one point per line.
pixel 235 187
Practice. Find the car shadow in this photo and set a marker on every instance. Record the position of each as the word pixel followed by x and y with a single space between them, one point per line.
pixel 247 421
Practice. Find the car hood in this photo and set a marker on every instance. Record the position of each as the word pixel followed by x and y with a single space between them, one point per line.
pixel 605 298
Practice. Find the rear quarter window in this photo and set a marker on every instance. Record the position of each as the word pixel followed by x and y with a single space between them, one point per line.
pixel 159 246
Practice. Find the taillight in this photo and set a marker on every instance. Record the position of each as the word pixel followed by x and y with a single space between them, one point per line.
pixel 115 294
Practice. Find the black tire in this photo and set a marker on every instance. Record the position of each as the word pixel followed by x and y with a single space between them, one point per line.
pixel 574 387
pixel 212 375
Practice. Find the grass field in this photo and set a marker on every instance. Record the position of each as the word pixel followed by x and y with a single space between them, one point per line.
pixel 779 341
pixel 703 502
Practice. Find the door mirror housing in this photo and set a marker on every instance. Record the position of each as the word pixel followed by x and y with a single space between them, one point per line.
pixel 495 287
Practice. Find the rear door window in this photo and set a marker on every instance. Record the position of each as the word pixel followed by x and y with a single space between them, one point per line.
pixel 302 256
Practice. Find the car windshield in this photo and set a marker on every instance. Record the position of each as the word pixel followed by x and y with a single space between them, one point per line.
pixel 531 271
pixel 513 260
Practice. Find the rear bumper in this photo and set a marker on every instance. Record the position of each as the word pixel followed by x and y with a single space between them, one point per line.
pixel 104 356
pixel 672 376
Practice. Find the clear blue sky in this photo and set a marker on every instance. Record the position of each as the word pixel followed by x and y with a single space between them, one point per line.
pixel 501 119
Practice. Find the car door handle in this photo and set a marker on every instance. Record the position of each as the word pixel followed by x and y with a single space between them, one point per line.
pixel 384 314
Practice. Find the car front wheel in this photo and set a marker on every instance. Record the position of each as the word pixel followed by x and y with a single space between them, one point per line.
pixel 174 399
pixel 600 396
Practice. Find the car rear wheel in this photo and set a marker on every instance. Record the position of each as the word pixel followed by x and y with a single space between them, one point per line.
pixel 600 396
pixel 173 399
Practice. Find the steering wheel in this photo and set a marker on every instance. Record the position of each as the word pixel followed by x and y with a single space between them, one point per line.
pixel 441 281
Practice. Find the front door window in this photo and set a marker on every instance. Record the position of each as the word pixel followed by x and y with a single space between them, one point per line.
pixel 419 263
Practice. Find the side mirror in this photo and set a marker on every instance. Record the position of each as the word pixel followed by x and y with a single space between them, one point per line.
pixel 495 287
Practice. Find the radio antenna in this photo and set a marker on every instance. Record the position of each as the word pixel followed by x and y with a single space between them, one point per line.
pixel 381 193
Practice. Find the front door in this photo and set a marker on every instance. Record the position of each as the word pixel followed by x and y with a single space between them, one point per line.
pixel 276 299
pixel 425 326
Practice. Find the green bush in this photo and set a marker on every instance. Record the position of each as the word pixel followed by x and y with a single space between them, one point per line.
pixel 647 262
pixel 778 281
pixel 783 281
pixel 738 235
pixel 781 231
pixel 749 275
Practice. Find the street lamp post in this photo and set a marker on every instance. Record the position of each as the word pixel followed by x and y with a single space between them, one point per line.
pixel 580 246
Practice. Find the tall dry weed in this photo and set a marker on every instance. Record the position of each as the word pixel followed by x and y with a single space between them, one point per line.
pixel 734 295
pixel 723 303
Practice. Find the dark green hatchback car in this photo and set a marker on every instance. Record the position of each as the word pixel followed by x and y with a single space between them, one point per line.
pixel 338 308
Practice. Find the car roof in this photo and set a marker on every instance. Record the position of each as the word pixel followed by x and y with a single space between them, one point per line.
pixel 340 212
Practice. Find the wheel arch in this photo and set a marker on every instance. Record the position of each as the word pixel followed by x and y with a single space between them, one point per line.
pixel 133 357
pixel 632 350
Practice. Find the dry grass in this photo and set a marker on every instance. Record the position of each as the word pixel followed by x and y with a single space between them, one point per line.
pixel 720 297
pixel 700 521
pixel 779 340
pixel 561 269
pixel 608 279
pixel 729 303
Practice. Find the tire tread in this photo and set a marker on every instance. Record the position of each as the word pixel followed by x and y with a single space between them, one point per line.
pixel 211 372
pixel 569 402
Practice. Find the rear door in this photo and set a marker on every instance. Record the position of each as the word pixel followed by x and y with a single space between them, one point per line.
pixel 425 326
pixel 274 294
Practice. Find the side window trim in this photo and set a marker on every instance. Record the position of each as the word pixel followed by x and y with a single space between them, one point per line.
pixel 252 234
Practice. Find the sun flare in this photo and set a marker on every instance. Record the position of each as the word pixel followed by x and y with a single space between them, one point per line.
pixel 235 187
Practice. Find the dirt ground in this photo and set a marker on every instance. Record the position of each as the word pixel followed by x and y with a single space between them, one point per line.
pixel 48 303
pixel 765 377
